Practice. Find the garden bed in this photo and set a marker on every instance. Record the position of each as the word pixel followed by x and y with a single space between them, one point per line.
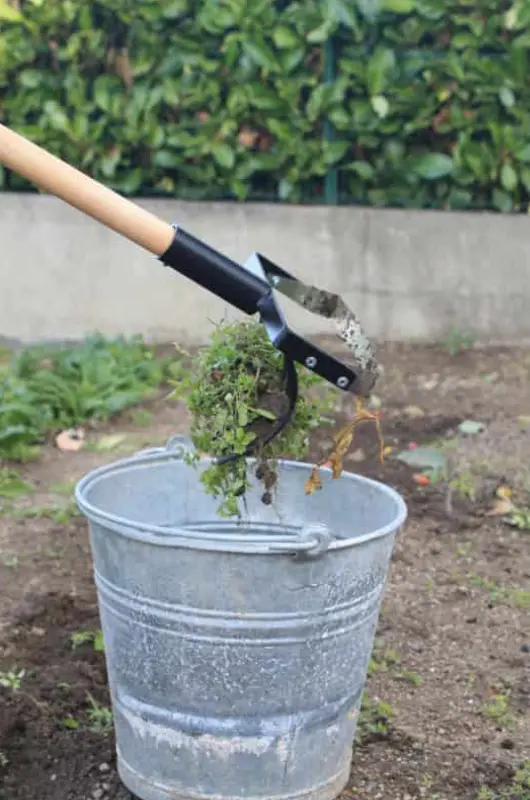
pixel 448 699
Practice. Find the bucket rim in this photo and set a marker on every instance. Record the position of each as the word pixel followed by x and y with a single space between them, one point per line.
pixel 196 537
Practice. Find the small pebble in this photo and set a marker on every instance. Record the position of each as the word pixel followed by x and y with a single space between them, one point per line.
pixel 97 794
pixel 104 767
pixel 525 648
pixel 358 455
pixel 414 411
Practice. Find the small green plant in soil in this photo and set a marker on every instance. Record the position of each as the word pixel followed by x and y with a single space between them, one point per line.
pixel 70 722
pixel 386 659
pixel 12 488
pixel 60 512
pixel 12 485
pixel 497 709
pixel 46 389
pixel 464 486
pixel 235 395
pixel 456 341
pixel 519 789
pixel 515 596
pixel 520 518
pixel 95 638
pixel 141 418
pixel 65 487
pixel 12 679
pixel 374 719
pixel 100 717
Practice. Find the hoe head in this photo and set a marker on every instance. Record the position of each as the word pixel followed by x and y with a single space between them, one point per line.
pixel 261 287
pixel 284 304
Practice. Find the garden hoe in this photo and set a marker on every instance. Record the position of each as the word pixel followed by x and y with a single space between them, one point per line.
pixel 257 287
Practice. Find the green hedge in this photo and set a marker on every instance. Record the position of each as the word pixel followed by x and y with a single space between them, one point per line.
pixel 430 106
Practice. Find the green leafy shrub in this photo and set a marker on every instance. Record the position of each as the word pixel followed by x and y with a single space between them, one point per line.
pixel 235 395
pixel 46 389
pixel 232 98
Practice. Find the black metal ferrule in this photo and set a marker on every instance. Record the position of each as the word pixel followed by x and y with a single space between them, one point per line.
pixel 213 271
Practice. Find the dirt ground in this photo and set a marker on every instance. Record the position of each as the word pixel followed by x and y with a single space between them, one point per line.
pixel 452 663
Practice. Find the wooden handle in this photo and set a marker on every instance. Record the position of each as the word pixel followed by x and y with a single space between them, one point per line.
pixel 78 190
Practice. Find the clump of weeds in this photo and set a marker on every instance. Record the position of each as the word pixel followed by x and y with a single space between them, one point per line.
pixel 236 396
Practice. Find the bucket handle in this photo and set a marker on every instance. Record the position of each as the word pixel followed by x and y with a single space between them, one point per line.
pixel 178 445
pixel 313 540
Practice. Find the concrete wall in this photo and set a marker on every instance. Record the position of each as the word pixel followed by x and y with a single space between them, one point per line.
pixel 409 275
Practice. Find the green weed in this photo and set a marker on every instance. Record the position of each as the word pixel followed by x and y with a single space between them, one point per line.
pixel 70 722
pixel 463 549
pixel 80 638
pixel 464 486
pixel 520 518
pixel 374 718
pixel 49 388
pixel 519 789
pixel 514 596
pixel 497 709
pixel 233 402
pixel 386 659
pixel 457 341
pixel 12 679
pixel 100 717
pixel 12 488
pixel 141 418
pixel 65 487
pixel 60 513
pixel 12 485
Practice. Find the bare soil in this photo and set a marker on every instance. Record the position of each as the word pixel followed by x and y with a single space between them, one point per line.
pixel 453 649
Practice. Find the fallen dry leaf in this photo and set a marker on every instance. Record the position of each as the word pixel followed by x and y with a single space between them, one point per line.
pixel 342 442
pixel 314 483
pixel 421 479
pixel 71 440
pixel 500 508
pixel 336 466
pixel 504 492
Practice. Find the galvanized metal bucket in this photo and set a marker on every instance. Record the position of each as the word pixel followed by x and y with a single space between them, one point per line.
pixel 237 652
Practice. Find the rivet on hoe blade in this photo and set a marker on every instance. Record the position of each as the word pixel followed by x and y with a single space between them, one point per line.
pixel 257 287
